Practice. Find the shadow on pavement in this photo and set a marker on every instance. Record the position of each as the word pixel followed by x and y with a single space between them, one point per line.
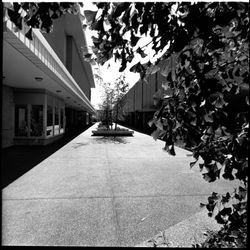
pixel 110 139
pixel 17 160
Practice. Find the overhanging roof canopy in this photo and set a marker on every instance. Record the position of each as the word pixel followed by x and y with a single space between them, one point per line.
pixel 39 53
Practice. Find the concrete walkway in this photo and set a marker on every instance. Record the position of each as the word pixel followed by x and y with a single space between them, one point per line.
pixel 96 191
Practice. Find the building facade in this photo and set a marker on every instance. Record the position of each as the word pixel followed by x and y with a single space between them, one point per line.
pixel 46 84
pixel 139 108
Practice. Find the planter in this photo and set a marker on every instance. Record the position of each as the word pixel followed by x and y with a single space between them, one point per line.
pixel 112 133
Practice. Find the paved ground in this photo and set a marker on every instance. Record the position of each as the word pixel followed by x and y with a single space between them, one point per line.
pixel 100 192
pixel 17 160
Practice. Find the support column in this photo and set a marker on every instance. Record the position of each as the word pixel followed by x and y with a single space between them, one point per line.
pixel 28 118
pixel 53 119
pixel 45 107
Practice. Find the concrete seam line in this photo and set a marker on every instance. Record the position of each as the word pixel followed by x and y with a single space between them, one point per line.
pixel 103 197
pixel 115 215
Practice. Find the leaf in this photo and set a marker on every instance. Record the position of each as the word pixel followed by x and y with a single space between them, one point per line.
pixel 173 65
pixel 166 148
pixel 16 18
pixel 145 79
pixel 158 95
pixel 228 176
pixel 126 16
pixel 90 15
pixel 226 211
pixel 192 163
pixel 220 102
pixel 92 61
pixel 159 124
pixel 134 21
pixel 202 205
pixel 201 165
pixel 137 68
pixel 217 173
pixel 203 103
pixel 172 151
pixel 84 27
pixel 165 85
pixel 134 39
pixel 166 68
pixel 187 63
pixel 242 193
pixel 210 214
pixel 241 58
pixel 151 122
pixel 208 118
pixel 247 100
pixel 123 67
pixel 210 206
pixel 225 198
pixel 141 52
pixel 87 56
pixel 130 58
pixel 209 177
pixel 152 69
pixel 219 219
pixel 155 134
pixel 29 34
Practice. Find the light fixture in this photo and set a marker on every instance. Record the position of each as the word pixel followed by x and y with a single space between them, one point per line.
pixel 39 79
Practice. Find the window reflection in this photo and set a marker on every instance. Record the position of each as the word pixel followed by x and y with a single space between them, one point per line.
pixel 61 120
pixel 21 123
pixel 56 120
pixel 49 129
pixel 36 120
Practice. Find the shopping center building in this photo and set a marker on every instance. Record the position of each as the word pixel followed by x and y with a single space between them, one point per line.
pixel 46 84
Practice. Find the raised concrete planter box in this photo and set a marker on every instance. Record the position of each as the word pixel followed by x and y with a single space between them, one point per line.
pixel 112 133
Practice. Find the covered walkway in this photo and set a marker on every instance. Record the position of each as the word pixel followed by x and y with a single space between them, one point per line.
pixel 99 191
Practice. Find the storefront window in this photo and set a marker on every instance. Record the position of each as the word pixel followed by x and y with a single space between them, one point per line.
pixel 36 120
pixel 49 129
pixel 21 122
pixel 61 120
pixel 56 119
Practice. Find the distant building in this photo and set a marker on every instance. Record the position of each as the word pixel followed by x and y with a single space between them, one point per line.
pixel 140 106
pixel 46 83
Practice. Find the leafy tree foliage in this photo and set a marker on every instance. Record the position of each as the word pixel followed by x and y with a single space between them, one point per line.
pixel 113 104
pixel 205 68
pixel 120 89
pixel 105 114
pixel 204 97
pixel 39 15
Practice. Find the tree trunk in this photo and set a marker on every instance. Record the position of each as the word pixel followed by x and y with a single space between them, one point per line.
pixel 116 118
